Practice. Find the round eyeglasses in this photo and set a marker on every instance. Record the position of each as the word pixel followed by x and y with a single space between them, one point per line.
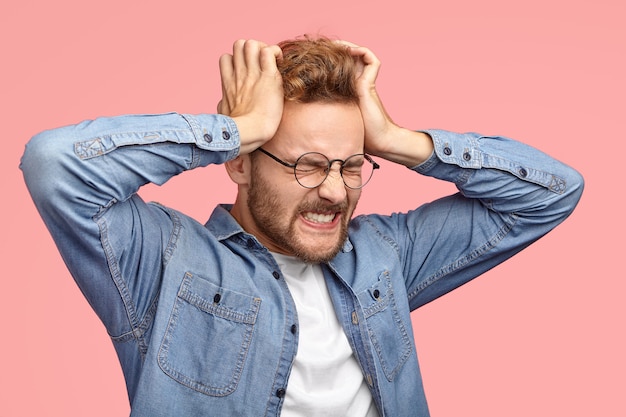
pixel 312 169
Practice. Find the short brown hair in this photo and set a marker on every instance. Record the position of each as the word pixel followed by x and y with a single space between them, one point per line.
pixel 317 70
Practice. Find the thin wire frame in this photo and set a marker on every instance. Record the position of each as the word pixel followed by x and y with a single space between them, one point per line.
pixel 305 175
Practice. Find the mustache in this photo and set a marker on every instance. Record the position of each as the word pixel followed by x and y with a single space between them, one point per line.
pixel 321 207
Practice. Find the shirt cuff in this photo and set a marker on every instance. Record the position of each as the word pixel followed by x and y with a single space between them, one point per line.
pixel 214 132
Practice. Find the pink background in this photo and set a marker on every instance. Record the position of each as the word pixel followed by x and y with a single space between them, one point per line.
pixel 542 335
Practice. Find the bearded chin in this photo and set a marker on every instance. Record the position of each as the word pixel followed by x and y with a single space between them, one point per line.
pixel 266 209
pixel 312 255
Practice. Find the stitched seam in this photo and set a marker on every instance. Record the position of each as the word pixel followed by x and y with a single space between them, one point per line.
pixel 384 237
pixel 174 235
pixel 116 275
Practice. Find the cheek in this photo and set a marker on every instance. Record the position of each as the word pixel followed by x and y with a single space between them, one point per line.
pixel 353 197
pixel 290 200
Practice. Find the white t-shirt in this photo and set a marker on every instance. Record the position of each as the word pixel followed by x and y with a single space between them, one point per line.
pixel 326 379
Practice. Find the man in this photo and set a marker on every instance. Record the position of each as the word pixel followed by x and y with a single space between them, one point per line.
pixel 282 303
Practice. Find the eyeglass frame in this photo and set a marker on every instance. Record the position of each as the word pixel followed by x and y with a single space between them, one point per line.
pixel 368 158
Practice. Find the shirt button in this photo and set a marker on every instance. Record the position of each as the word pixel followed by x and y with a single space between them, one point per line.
pixel 447 151
pixel 376 294
pixel 208 138
pixel 467 156
pixel 280 392
pixel 217 298
pixel 294 328
pixel 225 135
pixel 522 172
pixel 276 275
pixel 355 318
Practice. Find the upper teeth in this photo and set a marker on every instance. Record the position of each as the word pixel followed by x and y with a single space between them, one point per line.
pixel 319 218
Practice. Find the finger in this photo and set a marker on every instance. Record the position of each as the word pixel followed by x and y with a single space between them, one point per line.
pixel 371 63
pixel 226 66
pixel 269 56
pixel 228 82
pixel 252 52
pixel 366 55
pixel 239 61
pixel 363 53
pixel 227 72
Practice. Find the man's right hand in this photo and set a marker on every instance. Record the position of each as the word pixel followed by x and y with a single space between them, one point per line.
pixel 252 91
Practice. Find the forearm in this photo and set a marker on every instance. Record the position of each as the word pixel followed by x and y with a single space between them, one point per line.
pixel 110 158
pixel 506 175
pixel 408 148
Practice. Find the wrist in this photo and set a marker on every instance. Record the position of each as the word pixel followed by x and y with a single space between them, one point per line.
pixel 406 147
pixel 252 134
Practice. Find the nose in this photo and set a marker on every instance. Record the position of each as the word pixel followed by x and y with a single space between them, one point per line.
pixel 333 188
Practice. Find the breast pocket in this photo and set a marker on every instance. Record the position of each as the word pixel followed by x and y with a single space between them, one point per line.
pixel 387 331
pixel 208 336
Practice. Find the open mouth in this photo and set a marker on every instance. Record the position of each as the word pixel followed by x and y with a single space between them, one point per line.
pixel 320 218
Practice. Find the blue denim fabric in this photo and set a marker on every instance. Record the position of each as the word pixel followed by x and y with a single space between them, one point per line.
pixel 200 315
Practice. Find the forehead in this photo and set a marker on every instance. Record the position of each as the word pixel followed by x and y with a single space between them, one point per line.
pixel 334 129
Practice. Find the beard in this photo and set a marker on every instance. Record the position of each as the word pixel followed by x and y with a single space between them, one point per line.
pixel 268 213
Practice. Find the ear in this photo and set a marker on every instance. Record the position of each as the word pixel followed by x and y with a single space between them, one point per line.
pixel 238 169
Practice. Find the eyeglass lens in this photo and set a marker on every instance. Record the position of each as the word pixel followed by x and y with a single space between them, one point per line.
pixel 311 169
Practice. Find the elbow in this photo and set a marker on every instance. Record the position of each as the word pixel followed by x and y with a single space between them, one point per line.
pixel 42 165
pixel 563 204
pixel 574 189
pixel 33 164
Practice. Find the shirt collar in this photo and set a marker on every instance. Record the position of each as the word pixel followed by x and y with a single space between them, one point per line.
pixel 222 224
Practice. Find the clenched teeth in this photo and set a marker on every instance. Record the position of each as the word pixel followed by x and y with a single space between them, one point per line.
pixel 318 217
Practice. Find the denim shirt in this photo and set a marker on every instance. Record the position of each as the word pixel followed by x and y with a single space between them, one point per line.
pixel 200 315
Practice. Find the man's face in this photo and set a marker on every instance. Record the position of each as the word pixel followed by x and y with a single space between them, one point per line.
pixel 311 224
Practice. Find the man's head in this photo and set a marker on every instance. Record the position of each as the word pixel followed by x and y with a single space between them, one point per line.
pixel 321 114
